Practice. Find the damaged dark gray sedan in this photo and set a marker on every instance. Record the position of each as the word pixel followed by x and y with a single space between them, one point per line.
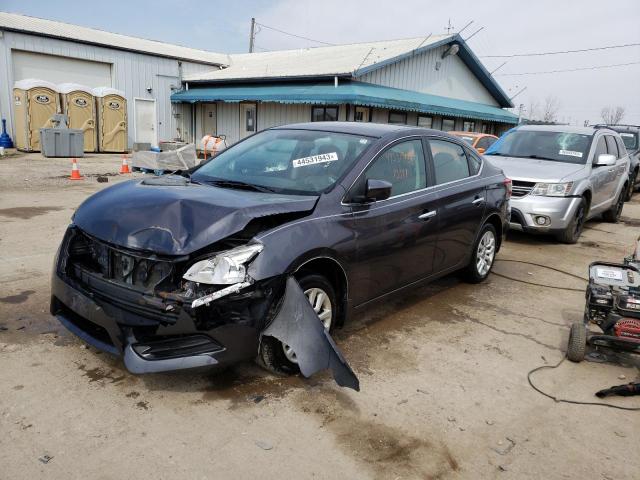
pixel 264 250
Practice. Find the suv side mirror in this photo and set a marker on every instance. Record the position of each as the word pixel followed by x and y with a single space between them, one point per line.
pixel 377 190
pixel 605 160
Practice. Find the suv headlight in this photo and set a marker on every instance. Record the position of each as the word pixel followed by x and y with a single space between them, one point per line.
pixel 225 268
pixel 552 189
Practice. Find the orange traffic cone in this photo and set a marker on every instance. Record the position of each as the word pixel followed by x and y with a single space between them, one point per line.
pixel 124 168
pixel 75 171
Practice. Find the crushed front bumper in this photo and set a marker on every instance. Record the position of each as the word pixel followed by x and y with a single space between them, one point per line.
pixel 557 212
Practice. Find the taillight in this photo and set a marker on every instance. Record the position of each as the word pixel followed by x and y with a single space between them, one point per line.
pixel 508 185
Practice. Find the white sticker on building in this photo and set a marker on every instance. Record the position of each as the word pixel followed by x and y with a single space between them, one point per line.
pixel 570 153
pixel 315 159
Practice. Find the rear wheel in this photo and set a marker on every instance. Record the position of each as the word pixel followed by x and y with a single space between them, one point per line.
pixel 484 253
pixel 572 233
pixel 613 214
pixel 577 342
pixel 280 358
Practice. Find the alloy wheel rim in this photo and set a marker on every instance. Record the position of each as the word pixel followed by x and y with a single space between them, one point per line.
pixel 579 220
pixel 486 253
pixel 321 303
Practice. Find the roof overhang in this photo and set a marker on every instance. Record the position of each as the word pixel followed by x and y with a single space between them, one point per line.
pixel 354 93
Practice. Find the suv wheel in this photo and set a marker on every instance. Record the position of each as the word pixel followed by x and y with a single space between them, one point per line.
pixel 279 358
pixel 572 233
pixel 613 214
pixel 632 186
pixel 484 253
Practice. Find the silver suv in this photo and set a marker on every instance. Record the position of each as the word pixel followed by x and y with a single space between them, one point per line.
pixel 562 176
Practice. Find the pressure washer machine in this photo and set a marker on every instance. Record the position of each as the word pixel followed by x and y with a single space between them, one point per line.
pixel 613 304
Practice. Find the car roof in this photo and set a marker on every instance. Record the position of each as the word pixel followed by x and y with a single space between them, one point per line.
pixel 623 128
pixel 560 128
pixel 472 134
pixel 356 128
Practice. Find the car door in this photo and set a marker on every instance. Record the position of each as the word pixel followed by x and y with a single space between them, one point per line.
pixel 600 177
pixel 461 202
pixel 395 237
pixel 618 175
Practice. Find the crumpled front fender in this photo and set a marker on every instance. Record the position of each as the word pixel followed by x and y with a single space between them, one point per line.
pixel 297 325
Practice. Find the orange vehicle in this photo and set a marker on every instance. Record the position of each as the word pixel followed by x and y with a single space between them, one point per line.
pixel 479 141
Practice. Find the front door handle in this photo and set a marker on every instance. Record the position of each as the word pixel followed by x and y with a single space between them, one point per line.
pixel 478 201
pixel 427 215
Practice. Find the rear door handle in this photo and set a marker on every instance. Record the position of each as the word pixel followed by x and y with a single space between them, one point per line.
pixel 478 201
pixel 427 215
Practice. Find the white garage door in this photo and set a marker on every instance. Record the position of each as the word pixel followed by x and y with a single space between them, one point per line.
pixel 57 69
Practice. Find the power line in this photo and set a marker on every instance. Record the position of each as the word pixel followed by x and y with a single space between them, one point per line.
pixel 294 35
pixel 569 70
pixel 561 51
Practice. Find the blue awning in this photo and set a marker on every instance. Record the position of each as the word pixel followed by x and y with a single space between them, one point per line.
pixel 355 93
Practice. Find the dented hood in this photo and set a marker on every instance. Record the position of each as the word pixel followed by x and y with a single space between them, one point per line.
pixel 171 216
pixel 534 170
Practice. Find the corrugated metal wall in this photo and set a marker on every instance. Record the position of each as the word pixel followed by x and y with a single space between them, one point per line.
pixel 452 79
pixel 131 72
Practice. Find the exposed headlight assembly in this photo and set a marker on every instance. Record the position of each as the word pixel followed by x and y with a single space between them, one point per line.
pixel 225 268
pixel 552 189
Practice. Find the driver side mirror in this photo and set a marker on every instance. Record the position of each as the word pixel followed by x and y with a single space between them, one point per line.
pixel 377 190
pixel 605 160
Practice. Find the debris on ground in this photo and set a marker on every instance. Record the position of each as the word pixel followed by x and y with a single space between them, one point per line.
pixel 45 459
pixel 263 445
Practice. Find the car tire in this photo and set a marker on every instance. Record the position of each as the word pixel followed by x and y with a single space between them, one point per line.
pixel 577 342
pixel 277 357
pixel 572 233
pixel 613 214
pixel 632 186
pixel 483 255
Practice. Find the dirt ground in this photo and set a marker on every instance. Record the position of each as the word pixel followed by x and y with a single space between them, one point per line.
pixel 443 374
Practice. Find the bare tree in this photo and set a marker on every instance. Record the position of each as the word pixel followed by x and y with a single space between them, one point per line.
pixel 612 115
pixel 550 109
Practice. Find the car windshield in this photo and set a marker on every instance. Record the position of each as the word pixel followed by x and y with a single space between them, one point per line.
pixel 630 140
pixel 555 146
pixel 303 162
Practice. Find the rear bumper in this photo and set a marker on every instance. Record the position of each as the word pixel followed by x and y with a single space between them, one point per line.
pixel 558 212
pixel 145 344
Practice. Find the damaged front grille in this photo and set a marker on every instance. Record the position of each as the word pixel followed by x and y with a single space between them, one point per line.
pixel 521 188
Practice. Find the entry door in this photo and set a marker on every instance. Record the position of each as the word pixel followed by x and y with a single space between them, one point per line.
pixel 248 119
pixel 396 238
pixel 209 125
pixel 146 121
pixel 361 114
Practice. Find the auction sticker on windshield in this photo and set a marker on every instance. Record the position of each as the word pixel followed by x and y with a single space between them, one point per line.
pixel 315 159
pixel 570 153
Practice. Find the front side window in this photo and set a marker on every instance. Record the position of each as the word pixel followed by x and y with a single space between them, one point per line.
pixel 397 118
pixel 543 145
pixel 449 161
pixel 324 114
pixel 402 165
pixel 612 146
pixel 601 148
pixel 285 161
pixel 448 124
pixel 621 147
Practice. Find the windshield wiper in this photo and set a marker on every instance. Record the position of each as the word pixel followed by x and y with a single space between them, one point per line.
pixel 538 157
pixel 240 185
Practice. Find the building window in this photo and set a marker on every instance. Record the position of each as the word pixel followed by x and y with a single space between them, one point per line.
pixel 448 124
pixel 468 126
pixel 425 122
pixel 398 118
pixel 324 114
pixel 362 114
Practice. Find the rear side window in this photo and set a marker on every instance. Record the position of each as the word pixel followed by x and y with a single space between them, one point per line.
pixel 402 165
pixel 612 146
pixel 621 147
pixel 449 161
pixel 474 162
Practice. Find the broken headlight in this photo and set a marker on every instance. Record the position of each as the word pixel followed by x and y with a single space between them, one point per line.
pixel 225 268
pixel 552 189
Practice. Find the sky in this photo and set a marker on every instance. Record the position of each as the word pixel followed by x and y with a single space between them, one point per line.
pixel 510 27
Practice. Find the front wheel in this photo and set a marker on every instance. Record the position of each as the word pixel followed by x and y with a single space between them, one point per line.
pixel 483 255
pixel 632 186
pixel 572 233
pixel 279 358
pixel 577 342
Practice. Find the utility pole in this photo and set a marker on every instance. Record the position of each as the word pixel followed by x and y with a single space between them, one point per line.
pixel 252 35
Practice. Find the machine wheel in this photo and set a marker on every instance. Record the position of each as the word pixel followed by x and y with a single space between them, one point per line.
pixel 280 358
pixel 613 214
pixel 483 255
pixel 572 233
pixel 577 342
